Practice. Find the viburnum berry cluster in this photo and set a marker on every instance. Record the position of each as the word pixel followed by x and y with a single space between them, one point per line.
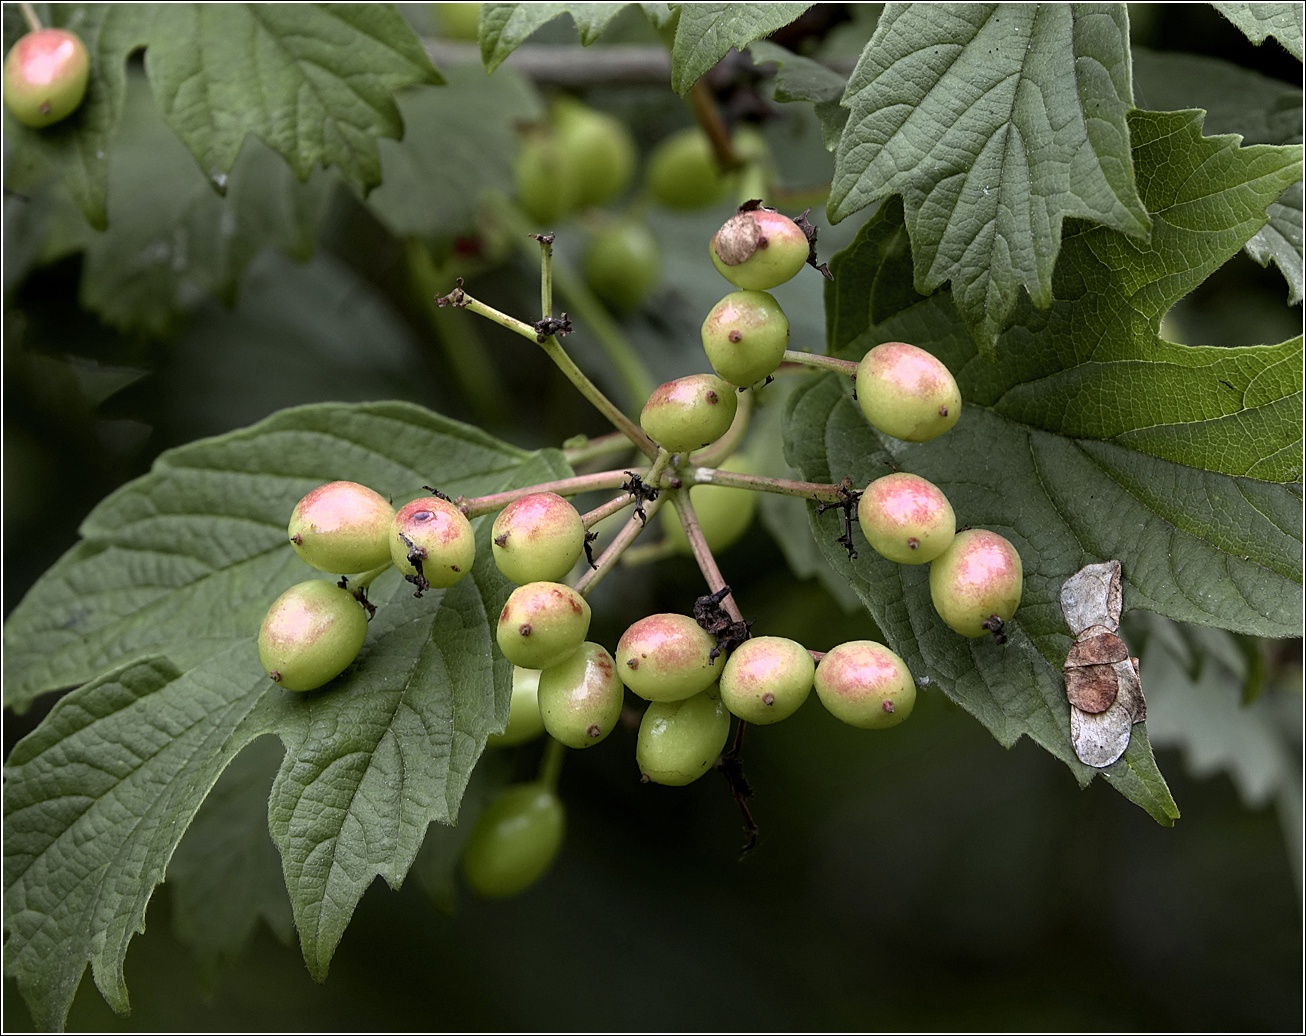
pixel 695 673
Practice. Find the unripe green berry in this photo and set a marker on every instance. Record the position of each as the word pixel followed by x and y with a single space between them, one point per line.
pixel 979 577
pixel 342 527
pixel 435 534
pixel 866 685
pixel 906 518
pixel 458 21
pixel 542 624
pixel 545 176
pixel 514 840
pixel 724 513
pixel 622 263
pixel 679 741
pixel 524 720
pixel 580 697
pixel 907 393
pixel 539 537
pixel 689 413
pixel 682 172
pixel 45 76
pixel 758 249
pixel 601 149
pixel 745 336
pixel 664 657
pixel 767 679
pixel 310 635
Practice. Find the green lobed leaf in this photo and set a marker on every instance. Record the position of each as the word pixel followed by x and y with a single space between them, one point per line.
pixel 505 26
pixel 1285 22
pixel 1090 439
pixel 707 31
pixel 968 112
pixel 802 79
pixel 1280 241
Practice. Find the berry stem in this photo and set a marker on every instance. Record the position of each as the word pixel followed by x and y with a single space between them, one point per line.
pixel 616 548
pixel 479 505
pixel 763 483
pixel 546 274
pixel 365 580
pixel 828 363
pixel 551 764
pixel 592 449
pixel 706 114
pixel 702 552
pixel 29 16
pixel 618 503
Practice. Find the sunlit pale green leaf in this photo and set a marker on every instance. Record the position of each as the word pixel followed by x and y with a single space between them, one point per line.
pixel 1285 22
pixel 707 31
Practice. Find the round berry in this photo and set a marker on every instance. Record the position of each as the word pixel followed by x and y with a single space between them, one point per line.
pixel 689 413
pixel 682 172
pixel 545 176
pixel 664 657
pixel 767 679
pixel 434 534
pixel 524 720
pixel 866 685
pixel 977 579
pixel 342 527
pixel 45 76
pixel 758 249
pixel 542 624
pixel 907 393
pixel 458 21
pixel 514 840
pixel 724 513
pixel 580 697
pixel 539 537
pixel 906 519
pixel 310 635
pixel 745 336
pixel 622 263
pixel 601 149
pixel 679 741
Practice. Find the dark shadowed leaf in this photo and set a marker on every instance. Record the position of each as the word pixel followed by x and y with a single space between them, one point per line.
pixel 505 27
pixel 802 79
pixel 707 31
pixel 1258 22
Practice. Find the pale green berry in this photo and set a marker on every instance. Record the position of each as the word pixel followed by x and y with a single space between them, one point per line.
pixel 514 840
pixel 745 336
pixel 539 537
pixel 542 624
pixel 46 73
pixel 666 657
pixel 310 635
pixel 434 534
pixel 866 685
pixel 976 580
pixel 689 413
pixel 767 679
pixel 907 393
pixel 758 249
pixel 724 513
pixel 601 148
pixel 906 518
pixel 622 263
pixel 524 720
pixel 342 527
pixel 580 697
pixel 682 172
pixel 679 741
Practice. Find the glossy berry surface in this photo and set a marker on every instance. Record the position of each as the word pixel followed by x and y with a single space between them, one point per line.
pixel 907 393
pixel 46 73
pixel 865 685
pixel 435 534
pixel 310 635
pixel 724 513
pixel 906 518
pixel 979 576
pixel 580 697
pixel 759 249
pixel 542 624
pixel 539 537
pixel 622 263
pixel 767 679
pixel 664 657
pixel 689 413
pixel 342 527
pixel 514 841
pixel 524 720
pixel 679 741
pixel 682 172
pixel 745 337
pixel 600 149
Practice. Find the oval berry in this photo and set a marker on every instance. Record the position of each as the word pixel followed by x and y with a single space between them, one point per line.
pixel 310 635
pixel 537 538
pixel 524 720
pixel 601 148
pixel 514 841
pixel 745 336
pixel 434 534
pixel 758 249
pixel 906 518
pixel 724 513
pixel 682 172
pixel 542 624
pixel 689 413
pixel 622 263
pixel 866 685
pixel 664 657
pixel 46 73
pixel 907 393
pixel 978 578
pixel 767 679
pixel 580 697
pixel 679 741
pixel 342 527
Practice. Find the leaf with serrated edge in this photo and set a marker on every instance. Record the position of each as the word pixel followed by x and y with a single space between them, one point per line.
pixel 707 31
pixel 1280 241
pixel 1285 22
pixel 969 112
pixel 505 27
pixel 802 79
